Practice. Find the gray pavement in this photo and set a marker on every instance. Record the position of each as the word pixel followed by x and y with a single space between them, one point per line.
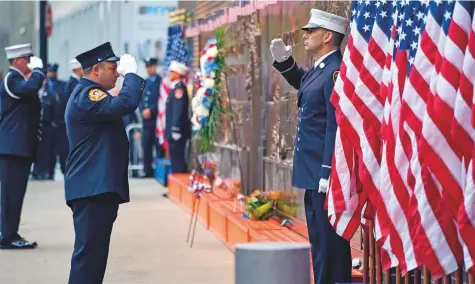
pixel 148 243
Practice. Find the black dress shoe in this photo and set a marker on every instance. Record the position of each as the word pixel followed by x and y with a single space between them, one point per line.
pixel 18 244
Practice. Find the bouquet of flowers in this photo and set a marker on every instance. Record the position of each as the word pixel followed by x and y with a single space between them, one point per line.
pixel 206 104
pixel 199 184
pixel 259 205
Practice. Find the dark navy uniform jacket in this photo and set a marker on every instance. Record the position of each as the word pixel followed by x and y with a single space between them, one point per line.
pixel 20 113
pixel 47 111
pixel 150 99
pixel 60 106
pixel 316 125
pixel 55 89
pixel 98 159
pixel 70 85
pixel 176 117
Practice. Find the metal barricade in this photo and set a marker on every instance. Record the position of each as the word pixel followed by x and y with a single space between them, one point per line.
pixel 135 149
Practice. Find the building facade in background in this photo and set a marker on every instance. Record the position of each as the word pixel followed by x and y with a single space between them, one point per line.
pixel 136 27
pixel 17 25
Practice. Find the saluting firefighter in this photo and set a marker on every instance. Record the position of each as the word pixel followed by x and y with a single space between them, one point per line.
pixel 315 137
pixel 148 109
pixel 19 131
pixel 96 179
pixel 177 120
pixel 43 169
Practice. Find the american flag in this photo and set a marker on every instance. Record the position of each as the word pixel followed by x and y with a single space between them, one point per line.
pixel 464 133
pixel 176 50
pixel 176 47
pixel 403 101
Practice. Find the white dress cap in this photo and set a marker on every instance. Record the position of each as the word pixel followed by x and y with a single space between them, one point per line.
pixel 178 67
pixel 322 19
pixel 19 50
pixel 74 64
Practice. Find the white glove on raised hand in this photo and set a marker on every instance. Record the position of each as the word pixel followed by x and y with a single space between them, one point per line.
pixel 176 136
pixel 35 62
pixel 127 64
pixel 323 186
pixel 279 50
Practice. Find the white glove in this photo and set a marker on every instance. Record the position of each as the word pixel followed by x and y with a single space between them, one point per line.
pixel 127 64
pixel 35 62
pixel 323 186
pixel 176 136
pixel 279 50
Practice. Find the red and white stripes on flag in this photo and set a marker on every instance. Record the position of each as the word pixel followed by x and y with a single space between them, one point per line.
pixel 165 89
pixel 463 133
pixel 403 102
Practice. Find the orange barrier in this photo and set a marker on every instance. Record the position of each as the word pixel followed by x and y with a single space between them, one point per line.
pixel 220 214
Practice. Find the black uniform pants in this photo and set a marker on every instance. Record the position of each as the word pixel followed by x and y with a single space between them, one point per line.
pixel 149 141
pixel 331 255
pixel 177 155
pixel 60 147
pixel 44 155
pixel 14 171
pixel 93 221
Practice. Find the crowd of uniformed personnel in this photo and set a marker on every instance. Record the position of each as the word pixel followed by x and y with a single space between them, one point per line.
pixel 53 147
pixel 81 124
pixel 91 120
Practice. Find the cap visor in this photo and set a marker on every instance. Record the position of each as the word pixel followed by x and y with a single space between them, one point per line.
pixel 310 27
pixel 113 59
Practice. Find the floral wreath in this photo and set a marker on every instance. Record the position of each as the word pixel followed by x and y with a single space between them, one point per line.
pixel 206 104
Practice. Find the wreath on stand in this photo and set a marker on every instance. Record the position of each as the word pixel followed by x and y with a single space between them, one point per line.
pixel 207 107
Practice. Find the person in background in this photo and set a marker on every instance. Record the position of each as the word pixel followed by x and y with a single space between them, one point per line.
pixel 56 89
pixel 76 74
pixel 315 138
pixel 19 131
pixel 177 120
pixel 148 108
pixel 44 154
pixel 96 180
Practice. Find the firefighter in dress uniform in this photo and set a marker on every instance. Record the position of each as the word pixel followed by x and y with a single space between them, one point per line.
pixel 96 179
pixel 42 169
pixel 56 89
pixel 76 74
pixel 19 131
pixel 148 109
pixel 315 138
pixel 177 120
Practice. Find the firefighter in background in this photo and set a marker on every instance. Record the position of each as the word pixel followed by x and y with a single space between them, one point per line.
pixel 177 120
pixel 56 89
pixel 44 153
pixel 76 74
pixel 19 130
pixel 148 108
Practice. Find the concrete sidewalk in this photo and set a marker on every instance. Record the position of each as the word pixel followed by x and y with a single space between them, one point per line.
pixel 148 242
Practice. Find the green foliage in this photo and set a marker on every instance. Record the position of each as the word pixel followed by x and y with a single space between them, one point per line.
pixel 206 136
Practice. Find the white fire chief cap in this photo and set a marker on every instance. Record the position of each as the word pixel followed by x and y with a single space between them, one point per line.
pixel 19 50
pixel 178 67
pixel 74 64
pixel 322 19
